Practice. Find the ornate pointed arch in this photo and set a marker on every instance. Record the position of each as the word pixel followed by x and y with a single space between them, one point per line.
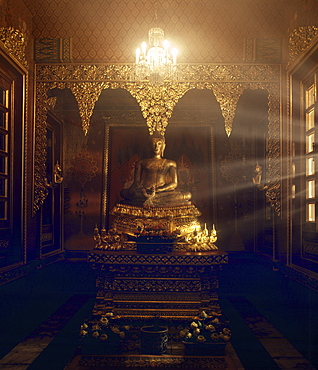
pixel 227 82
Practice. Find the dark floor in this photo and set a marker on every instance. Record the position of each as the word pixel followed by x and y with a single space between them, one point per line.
pixel 279 312
pixel 273 318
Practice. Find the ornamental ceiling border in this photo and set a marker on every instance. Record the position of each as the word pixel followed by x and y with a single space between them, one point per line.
pixel 227 82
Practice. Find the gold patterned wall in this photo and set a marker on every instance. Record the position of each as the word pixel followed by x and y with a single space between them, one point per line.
pixel 204 31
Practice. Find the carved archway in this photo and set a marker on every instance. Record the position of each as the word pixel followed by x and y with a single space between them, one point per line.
pixel 227 82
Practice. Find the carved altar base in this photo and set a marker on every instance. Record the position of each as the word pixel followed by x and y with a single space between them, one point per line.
pixel 155 229
pixel 174 285
pixel 129 218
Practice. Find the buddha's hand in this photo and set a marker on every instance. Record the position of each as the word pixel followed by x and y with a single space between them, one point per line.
pixel 159 189
pixel 148 202
pixel 149 193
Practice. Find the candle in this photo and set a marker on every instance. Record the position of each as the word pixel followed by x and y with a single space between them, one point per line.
pixel 166 45
pixel 137 55
pixel 103 232
pixel 205 231
pixel 213 230
pixel 174 55
pixel 143 49
pixel 96 231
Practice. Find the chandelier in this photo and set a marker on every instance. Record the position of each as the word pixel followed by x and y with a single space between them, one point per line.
pixel 156 63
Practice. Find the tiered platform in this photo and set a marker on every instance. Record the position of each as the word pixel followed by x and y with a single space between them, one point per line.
pixel 175 285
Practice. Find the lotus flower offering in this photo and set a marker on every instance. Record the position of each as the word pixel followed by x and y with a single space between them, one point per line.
pixel 207 334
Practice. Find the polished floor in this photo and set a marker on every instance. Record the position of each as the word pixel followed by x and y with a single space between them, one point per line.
pixel 273 318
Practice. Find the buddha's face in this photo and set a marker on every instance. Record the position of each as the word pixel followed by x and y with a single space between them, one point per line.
pixel 158 146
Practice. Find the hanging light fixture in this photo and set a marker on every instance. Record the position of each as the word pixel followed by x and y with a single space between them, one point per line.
pixel 156 63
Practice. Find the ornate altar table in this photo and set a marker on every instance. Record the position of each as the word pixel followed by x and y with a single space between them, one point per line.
pixel 174 285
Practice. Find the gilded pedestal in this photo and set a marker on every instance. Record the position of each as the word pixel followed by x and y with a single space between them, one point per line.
pixel 129 218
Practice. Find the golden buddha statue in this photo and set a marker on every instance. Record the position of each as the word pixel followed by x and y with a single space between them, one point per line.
pixel 153 207
pixel 155 180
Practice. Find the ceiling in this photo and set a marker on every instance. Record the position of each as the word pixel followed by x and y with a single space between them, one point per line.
pixel 204 31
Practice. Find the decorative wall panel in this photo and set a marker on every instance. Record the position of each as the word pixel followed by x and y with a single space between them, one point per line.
pixel 53 50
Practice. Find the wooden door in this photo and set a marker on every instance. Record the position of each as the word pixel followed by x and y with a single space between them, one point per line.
pixel 51 212
pixel 12 114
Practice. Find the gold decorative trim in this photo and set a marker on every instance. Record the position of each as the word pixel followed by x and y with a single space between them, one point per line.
pixel 14 41
pixel 86 95
pixel 160 285
pixel 135 361
pixel 4 244
pixel 156 212
pixel 310 248
pixel 40 188
pixel 273 192
pixel 300 40
pixel 105 176
pixel 157 102
pixel 49 50
pixel 190 258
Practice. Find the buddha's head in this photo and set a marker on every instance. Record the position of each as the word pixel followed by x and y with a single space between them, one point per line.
pixel 157 143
